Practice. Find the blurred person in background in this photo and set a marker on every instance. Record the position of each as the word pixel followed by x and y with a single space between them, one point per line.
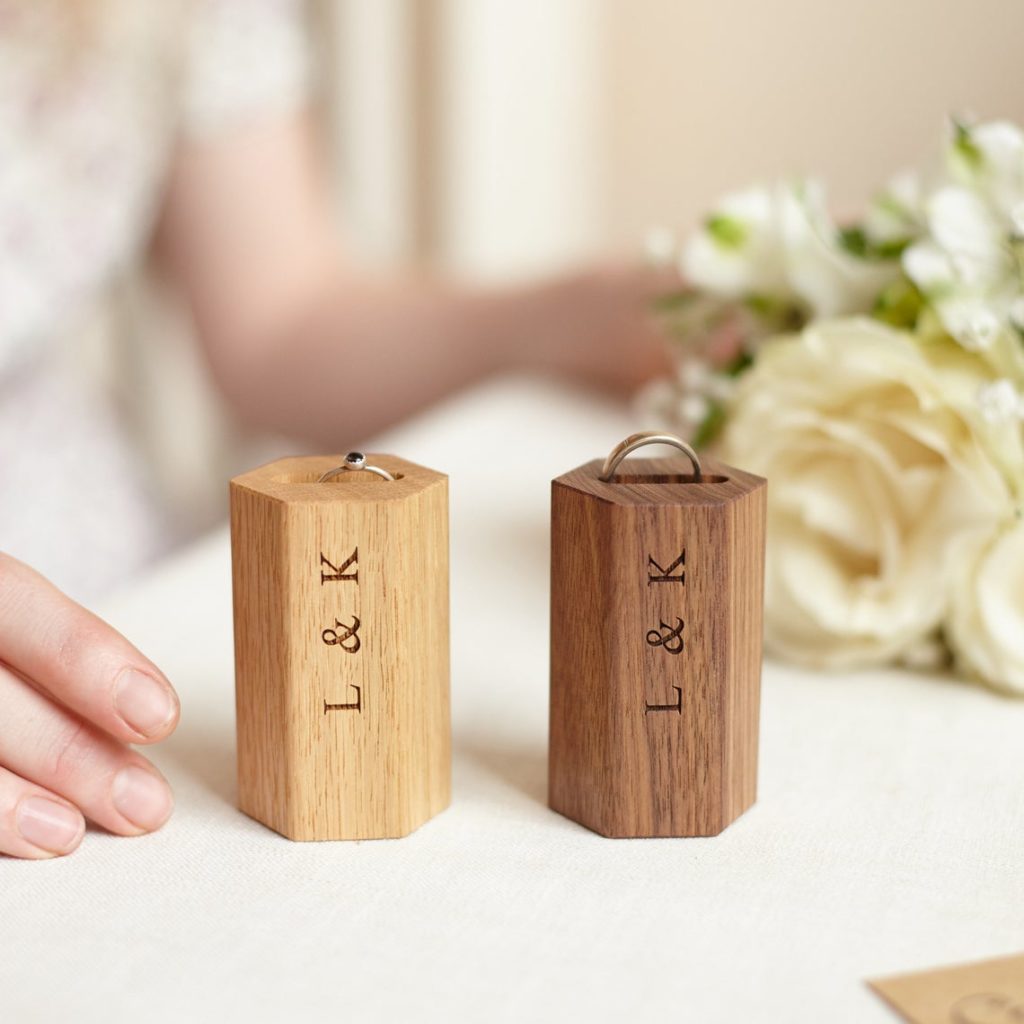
pixel 179 132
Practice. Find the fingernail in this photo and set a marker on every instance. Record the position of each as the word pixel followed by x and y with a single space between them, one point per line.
pixel 144 703
pixel 49 825
pixel 142 797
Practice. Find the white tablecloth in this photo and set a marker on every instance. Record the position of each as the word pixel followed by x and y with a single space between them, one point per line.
pixel 888 834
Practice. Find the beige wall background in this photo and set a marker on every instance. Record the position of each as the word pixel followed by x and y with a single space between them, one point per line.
pixel 509 137
pixel 700 96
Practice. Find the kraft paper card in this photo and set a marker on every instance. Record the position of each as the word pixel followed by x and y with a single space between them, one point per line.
pixel 990 992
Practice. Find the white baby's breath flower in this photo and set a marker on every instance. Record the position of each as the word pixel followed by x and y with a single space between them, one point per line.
pixel 693 409
pixel 698 376
pixel 985 622
pixel 972 322
pixel 1000 401
pixel 660 246
pixel 721 387
pixel 658 404
pixel 878 459
pixel 685 403
pixel 694 374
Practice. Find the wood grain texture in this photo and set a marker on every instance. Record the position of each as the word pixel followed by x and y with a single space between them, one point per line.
pixel 655 679
pixel 343 728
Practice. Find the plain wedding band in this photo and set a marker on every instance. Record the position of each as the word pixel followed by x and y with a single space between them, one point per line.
pixel 634 441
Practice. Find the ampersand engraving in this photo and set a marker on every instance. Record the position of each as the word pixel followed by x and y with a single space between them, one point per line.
pixel 339 572
pixel 677 707
pixel 665 575
pixel 670 641
pixel 332 637
pixel 356 705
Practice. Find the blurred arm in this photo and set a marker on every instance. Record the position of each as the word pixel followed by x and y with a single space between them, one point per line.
pixel 301 341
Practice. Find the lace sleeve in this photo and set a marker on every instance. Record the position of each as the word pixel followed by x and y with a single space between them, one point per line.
pixel 244 58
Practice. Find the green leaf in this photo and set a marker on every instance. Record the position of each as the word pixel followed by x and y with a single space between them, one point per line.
pixel 900 305
pixel 762 305
pixel 673 302
pixel 728 232
pixel 891 249
pixel 889 204
pixel 781 315
pixel 711 426
pixel 743 361
pixel 855 241
pixel 965 147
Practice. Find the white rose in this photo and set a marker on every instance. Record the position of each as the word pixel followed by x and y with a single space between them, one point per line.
pixel 878 458
pixel 985 623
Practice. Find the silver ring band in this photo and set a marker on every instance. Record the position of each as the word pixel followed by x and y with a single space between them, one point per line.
pixel 634 441
pixel 355 462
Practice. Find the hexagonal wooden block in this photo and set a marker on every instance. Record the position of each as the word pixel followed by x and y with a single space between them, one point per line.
pixel 656 628
pixel 341 647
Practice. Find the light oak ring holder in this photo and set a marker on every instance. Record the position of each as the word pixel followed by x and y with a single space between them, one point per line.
pixel 340 581
pixel 657 579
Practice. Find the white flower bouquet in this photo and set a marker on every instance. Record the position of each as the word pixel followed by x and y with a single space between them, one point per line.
pixel 874 373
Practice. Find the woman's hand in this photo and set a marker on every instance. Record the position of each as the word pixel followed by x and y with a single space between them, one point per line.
pixel 73 694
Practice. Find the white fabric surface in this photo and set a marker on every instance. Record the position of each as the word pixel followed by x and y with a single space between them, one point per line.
pixel 887 836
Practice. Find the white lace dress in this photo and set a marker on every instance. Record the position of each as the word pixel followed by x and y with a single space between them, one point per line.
pixel 94 96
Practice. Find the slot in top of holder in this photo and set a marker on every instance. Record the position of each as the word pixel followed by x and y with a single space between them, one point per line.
pixel 668 482
pixel 668 478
